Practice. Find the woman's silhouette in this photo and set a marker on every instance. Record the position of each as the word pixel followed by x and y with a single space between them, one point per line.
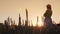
pixel 47 15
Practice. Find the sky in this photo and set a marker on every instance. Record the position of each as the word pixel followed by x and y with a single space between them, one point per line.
pixel 35 8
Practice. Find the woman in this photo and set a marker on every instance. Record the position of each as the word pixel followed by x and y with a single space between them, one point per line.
pixel 47 15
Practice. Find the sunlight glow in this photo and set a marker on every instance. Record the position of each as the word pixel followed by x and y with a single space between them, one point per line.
pixel 40 23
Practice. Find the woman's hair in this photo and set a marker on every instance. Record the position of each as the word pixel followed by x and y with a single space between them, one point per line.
pixel 48 6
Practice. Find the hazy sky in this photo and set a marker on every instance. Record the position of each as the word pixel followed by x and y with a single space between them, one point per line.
pixel 35 8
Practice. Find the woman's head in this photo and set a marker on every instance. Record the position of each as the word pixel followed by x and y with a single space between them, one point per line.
pixel 48 6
